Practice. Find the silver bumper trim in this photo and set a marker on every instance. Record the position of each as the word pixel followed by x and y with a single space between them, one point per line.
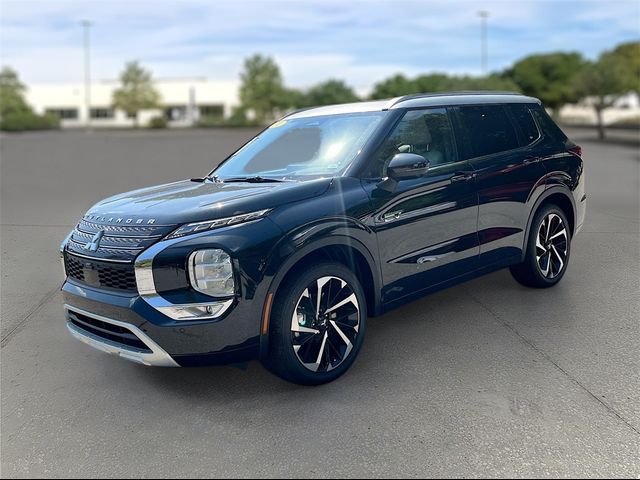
pixel 157 358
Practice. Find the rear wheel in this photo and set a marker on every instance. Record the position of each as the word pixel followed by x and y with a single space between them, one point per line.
pixel 548 249
pixel 317 325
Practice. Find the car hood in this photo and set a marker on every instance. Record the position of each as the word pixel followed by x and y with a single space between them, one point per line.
pixel 188 201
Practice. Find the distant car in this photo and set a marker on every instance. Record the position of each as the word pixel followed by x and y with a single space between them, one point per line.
pixel 329 216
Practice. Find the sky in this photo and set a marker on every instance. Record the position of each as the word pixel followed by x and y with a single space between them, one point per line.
pixel 358 41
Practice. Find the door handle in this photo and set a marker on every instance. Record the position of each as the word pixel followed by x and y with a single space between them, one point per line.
pixel 463 177
pixel 530 160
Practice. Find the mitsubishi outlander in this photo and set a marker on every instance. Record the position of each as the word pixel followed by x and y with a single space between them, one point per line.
pixel 328 217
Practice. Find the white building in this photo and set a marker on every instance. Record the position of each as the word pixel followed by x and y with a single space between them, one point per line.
pixel 184 101
pixel 626 107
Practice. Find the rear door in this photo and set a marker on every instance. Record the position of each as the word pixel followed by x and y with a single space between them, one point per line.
pixel 499 141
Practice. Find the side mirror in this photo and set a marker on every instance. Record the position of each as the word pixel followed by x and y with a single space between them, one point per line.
pixel 404 166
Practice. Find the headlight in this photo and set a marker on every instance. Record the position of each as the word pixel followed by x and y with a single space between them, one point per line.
pixel 217 223
pixel 211 272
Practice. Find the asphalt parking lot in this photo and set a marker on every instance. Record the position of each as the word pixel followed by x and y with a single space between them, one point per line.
pixel 485 379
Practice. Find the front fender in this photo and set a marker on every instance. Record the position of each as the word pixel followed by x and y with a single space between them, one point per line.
pixel 298 244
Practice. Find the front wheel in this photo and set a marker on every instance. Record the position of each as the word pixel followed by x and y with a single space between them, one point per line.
pixel 548 248
pixel 317 324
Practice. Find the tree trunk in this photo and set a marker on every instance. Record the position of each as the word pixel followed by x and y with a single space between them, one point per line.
pixel 135 120
pixel 601 132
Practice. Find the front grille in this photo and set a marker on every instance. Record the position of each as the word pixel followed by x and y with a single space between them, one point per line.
pixel 99 274
pixel 119 243
pixel 107 331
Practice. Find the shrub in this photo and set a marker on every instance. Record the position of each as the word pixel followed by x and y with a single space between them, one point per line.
pixel 21 121
pixel 159 121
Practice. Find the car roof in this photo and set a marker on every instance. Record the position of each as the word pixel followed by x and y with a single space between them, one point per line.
pixel 414 101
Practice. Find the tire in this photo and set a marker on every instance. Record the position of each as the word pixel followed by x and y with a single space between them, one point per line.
pixel 314 347
pixel 548 249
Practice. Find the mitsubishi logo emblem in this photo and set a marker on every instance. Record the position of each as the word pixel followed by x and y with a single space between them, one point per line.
pixel 94 244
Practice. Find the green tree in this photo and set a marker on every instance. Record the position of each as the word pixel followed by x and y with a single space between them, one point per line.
pixel 549 77
pixel 432 82
pixel 629 56
pixel 294 98
pixel 137 91
pixel 11 93
pixel 328 93
pixel 491 82
pixel 601 83
pixel 261 88
pixel 395 86
pixel 15 114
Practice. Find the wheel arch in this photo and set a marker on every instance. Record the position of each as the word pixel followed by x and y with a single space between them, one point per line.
pixel 343 249
pixel 557 195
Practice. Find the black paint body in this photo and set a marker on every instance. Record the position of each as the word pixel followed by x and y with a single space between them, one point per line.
pixel 460 220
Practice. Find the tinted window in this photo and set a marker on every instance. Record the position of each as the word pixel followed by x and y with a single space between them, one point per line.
pixel 487 129
pixel 528 129
pixel 424 132
pixel 303 148
pixel 547 126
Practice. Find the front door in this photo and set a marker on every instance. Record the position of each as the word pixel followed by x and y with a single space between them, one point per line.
pixel 426 227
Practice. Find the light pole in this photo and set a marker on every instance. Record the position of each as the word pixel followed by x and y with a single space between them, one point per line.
pixel 484 15
pixel 86 25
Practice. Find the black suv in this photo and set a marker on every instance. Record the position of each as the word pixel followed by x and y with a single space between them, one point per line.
pixel 329 216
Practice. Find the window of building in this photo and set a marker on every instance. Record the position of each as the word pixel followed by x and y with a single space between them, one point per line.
pixel 216 111
pixel 486 129
pixel 64 113
pixel 176 112
pixel 101 113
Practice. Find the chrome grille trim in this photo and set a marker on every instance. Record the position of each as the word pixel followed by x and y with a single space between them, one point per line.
pixel 117 243
pixel 88 257
pixel 133 230
pixel 105 247
pixel 116 239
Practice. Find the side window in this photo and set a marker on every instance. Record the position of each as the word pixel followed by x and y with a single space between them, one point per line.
pixel 528 129
pixel 487 129
pixel 425 132
pixel 547 125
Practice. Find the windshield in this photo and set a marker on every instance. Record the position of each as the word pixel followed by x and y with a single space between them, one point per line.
pixel 303 148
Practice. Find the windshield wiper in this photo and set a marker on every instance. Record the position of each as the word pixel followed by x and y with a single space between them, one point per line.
pixel 210 178
pixel 252 179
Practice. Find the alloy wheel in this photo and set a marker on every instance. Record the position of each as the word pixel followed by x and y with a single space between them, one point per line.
pixel 552 244
pixel 325 324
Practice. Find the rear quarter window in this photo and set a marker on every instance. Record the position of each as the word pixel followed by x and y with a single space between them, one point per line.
pixel 547 126
pixel 524 120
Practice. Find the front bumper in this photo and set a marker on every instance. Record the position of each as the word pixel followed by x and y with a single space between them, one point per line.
pixel 234 338
pixel 151 354
pixel 153 312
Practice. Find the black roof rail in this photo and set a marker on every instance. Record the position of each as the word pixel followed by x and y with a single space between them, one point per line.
pixel 453 94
